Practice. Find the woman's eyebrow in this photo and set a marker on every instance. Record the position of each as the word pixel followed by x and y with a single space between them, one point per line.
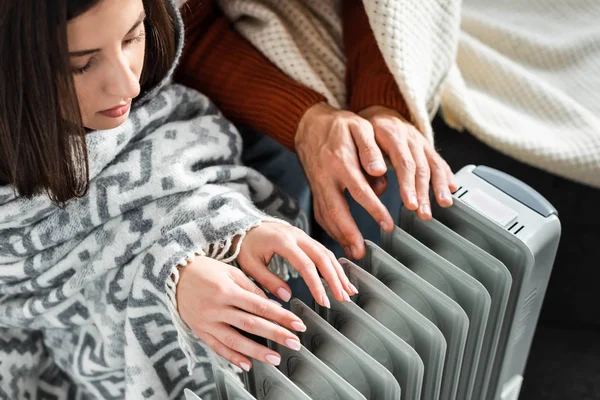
pixel 82 53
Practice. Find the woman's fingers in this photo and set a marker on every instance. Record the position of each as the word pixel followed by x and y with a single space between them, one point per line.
pixel 255 267
pixel 340 287
pixel 350 288
pixel 289 250
pixel 266 309
pixel 237 344
pixel 261 327
pixel 227 353
pixel 242 280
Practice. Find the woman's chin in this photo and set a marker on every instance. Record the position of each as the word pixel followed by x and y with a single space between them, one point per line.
pixel 102 123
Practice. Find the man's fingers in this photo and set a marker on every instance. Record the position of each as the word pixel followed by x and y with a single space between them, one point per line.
pixel 369 153
pixel 331 229
pixel 452 185
pixel 342 227
pixel 422 178
pixel 404 164
pixel 439 178
pixel 361 191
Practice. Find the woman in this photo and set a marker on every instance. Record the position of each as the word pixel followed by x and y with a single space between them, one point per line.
pixel 122 201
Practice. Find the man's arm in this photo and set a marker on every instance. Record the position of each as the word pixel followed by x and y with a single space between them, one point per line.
pixel 369 82
pixel 244 84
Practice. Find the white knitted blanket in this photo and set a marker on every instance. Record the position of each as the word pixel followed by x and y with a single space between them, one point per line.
pixel 522 76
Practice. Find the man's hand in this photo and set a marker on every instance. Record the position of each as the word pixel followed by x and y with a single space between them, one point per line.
pixel 415 160
pixel 332 145
pixel 341 150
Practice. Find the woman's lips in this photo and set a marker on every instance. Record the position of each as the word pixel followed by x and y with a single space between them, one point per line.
pixel 117 111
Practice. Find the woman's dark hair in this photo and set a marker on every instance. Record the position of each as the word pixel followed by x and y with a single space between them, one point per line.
pixel 42 137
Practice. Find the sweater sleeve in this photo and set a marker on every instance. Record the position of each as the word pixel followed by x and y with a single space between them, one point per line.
pixel 248 89
pixel 369 82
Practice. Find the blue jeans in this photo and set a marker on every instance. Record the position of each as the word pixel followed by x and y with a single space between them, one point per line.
pixel 283 168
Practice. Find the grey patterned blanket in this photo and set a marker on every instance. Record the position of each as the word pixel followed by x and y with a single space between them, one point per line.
pixel 85 310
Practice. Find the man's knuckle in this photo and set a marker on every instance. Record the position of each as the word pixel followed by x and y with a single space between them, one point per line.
pixel 414 134
pixel 334 211
pixel 408 164
pixel 371 150
pixel 360 192
pixel 365 127
pixel 438 167
pixel 423 172
pixel 344 157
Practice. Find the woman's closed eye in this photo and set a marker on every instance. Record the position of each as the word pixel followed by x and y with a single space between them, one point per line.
pixel 137 39
pixel 127 42
pixel 85 68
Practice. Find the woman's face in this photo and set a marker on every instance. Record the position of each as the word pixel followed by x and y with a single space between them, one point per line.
pixel 106 49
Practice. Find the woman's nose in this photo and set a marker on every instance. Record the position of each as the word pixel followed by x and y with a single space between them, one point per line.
pixel 122 80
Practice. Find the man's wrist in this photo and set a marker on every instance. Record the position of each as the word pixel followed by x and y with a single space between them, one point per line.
pixel 379 110
pixel 310 115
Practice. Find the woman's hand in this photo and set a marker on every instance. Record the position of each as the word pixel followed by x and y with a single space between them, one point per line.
pixel 214 297
pixel 340 150
pixel 306 255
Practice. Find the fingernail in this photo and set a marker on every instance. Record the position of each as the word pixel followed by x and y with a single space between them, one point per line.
pixel 384 225
pixel 425 209
pixel 413 199
pixel 354 288
pixel 245 366
pixel 354 251
pixel 345 296
pixel 325 301
pixel 298 326
pixel 445 195
pixel 273 359
pixel 293 344
pixel 276 302
pixel 348 251
pixel 377 165
pixel 284 294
